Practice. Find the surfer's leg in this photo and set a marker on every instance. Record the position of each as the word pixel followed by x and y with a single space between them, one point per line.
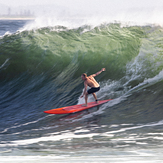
pixel 86 98
pixel 94 95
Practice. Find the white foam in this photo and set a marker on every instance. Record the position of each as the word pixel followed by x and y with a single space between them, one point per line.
pixel 63 136
pixel 82 133
pixel 118 156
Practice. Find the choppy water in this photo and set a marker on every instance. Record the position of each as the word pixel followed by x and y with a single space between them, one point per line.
pixel 40 69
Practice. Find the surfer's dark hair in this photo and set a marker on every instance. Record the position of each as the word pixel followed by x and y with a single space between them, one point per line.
pixel 84 74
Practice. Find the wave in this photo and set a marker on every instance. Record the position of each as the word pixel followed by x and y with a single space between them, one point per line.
pixel 81 133
pixel 41 68
pixel 131 55
pixel 54 49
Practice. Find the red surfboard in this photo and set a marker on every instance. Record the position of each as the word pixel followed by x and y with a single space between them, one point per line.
pixel 75 108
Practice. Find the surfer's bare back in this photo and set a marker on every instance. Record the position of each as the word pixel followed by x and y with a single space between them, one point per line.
pixel 91 82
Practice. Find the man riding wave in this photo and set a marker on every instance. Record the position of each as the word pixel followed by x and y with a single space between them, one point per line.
pixel 91 82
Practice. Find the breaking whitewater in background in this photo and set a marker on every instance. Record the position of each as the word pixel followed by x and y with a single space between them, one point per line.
pixel 40 67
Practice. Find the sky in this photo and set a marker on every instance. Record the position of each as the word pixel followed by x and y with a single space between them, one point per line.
pixel 87 3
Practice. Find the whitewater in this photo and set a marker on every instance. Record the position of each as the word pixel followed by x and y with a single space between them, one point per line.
pixel 41 63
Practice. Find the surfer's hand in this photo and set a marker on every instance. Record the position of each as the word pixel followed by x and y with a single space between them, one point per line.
pixel 103 69
pixel 81 96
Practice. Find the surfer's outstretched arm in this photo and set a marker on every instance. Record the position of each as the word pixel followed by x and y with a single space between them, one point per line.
pixel 85 90
pixel 85 94
pixel 103 69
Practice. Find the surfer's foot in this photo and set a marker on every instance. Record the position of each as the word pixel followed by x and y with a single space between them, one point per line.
pixel 84 105
pixel 97 101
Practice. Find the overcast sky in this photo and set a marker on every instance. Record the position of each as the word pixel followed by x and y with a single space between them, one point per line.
pixel 106 6
pixel 86 3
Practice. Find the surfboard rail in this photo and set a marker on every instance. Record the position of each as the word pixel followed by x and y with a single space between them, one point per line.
pixel 75 108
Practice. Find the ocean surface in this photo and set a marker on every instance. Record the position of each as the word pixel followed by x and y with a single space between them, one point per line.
pixel 40 69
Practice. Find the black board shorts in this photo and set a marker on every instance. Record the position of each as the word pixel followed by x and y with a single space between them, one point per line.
pixel 93 90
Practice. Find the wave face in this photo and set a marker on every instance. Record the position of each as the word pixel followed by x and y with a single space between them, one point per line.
pixel 40 69
pixel 56 49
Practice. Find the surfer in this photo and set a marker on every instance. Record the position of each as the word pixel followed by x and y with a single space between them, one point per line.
pixel 91 82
